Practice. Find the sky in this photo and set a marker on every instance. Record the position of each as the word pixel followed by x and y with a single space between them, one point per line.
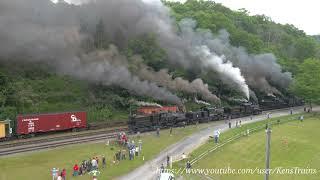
pixel 302 14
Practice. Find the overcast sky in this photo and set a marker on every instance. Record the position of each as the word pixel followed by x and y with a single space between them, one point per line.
pixel 302 14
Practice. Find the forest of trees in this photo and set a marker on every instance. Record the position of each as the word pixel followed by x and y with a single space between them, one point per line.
pixel 33 89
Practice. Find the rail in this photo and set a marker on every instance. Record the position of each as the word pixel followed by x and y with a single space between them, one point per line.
pixel 56 138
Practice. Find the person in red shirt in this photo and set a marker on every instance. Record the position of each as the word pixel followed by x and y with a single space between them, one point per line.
pixel 64 174
pixel 75 170
pixel 124 139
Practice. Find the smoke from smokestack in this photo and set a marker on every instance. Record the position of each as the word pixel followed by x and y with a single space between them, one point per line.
pixel 229 73
pixel 41 31
pixel 106 67
pixel 163 78
pixel 125 19
pixel 259 70
pixel 201 102
pixel 141 103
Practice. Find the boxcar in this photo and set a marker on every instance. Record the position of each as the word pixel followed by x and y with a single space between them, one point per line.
pixel 37 123
pixel 2 130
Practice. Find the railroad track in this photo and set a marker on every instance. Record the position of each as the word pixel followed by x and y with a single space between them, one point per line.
pixel 57 138
pixel 54 144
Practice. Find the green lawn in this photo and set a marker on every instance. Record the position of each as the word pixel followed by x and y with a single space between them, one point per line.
pixel 38 165
pixel 294 144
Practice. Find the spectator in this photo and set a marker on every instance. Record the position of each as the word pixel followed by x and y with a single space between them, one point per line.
pixel 240 123
pixel 168 161
pixel 55 172
pixel 97 159
pixel 140 145
pixel 75 170
pixel 158 131
pixel 229 124
pixel 236 124
pixel 301 118
pixel 130 154
pixel 80 170
pixel 291 111
pixel 138 134
pixel 64 174
pixel 124 139
pixel 137 151
pixel 216 135
pixel 171 131
pixel 184 156
pixel 268 115
pixel 94 164
pixel 89 165
pixel 188 166
pixel 103 162
pixel 162 168
pixel 251 117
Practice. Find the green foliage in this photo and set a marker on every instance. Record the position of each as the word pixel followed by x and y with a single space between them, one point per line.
pixel 305 48
pixel 307 84
pixel 149 50
pixel 258 34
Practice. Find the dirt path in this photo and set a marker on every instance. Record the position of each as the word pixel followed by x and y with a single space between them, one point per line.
pixel 148 171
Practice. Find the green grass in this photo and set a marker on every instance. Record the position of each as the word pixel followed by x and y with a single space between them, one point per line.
pixel 302 150
pixel 38 165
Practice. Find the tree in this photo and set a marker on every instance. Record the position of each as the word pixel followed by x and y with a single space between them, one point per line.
pixel 305 48
pixel 4 88
pixel 152 54
pixel 307 84
pixel 100 36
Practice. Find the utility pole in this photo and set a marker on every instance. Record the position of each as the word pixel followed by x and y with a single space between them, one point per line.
pixel 268 131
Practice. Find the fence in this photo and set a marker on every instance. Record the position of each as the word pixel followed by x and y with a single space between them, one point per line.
pixel 235 137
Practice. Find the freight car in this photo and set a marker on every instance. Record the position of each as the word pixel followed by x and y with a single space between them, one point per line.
pixel 44 123
pixel 5 129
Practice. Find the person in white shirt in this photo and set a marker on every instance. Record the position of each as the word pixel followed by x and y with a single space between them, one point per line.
pixel 216 135
pixel 94 164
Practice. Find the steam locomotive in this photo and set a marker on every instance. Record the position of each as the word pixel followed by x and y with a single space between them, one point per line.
pixel 142 123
